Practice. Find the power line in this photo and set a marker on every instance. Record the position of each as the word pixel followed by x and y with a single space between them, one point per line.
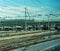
pixel 36 2
pixel 39 1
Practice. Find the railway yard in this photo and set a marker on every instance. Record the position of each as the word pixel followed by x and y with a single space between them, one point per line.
pixel 12 40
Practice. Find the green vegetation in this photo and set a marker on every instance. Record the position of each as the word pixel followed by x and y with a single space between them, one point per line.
pixel 22 22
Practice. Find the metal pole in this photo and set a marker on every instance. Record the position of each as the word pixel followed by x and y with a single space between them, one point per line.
pixel 4 23
pixel 16 25
pixel 25 20
pixel 43 20
pixel 0 23
pixel 48 22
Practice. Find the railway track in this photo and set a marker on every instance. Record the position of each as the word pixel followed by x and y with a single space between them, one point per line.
pixel 7 34
pixel 16 41
pixel 28 35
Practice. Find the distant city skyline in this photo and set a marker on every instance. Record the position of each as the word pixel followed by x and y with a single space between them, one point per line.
pixel 15 8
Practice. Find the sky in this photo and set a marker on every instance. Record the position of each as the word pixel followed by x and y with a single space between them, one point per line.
pixel 16 8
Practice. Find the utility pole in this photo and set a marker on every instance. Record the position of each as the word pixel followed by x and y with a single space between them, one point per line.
pixel 15 24
pixel 48 22
pixel 0 24
pixel 25 19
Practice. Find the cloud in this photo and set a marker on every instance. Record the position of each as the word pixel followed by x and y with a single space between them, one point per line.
pixel 7 11
pixel 13 12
